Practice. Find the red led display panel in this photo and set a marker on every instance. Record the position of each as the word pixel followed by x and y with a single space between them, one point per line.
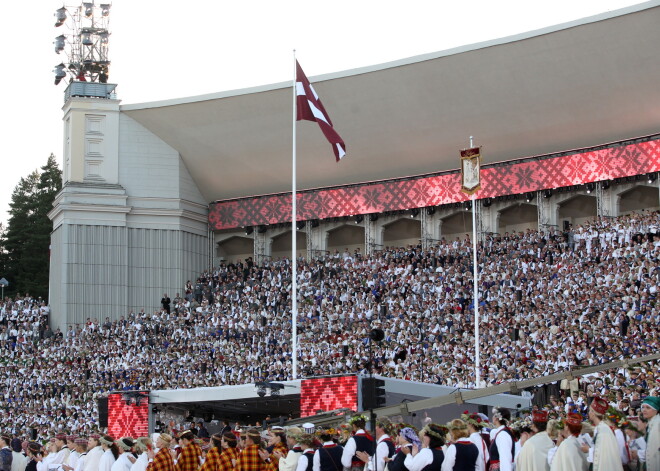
pixel 328 394
pixel 127 420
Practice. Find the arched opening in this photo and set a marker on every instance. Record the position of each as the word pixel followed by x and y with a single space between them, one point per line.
pixel 234 248
pixel 457 226
pixel 402 232
pixel 576 210
pixel 639 197
pixel 518 218
pixel 346 238
pixel 281 246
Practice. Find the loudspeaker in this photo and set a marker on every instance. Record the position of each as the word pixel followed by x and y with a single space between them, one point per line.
pixel 567 225
pixel 103 411
pixel 344 349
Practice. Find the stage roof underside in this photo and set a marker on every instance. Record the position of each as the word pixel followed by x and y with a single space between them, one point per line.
pixel 570 86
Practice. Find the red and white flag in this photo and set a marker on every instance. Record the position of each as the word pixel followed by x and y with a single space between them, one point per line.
pixel 310 108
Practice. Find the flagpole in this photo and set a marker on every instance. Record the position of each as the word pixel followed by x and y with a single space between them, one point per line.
pixel 477 368
pixel 294 264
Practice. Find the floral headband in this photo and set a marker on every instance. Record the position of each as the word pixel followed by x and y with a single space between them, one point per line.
pixel 440 432
pixel 357 418
pixel 473 419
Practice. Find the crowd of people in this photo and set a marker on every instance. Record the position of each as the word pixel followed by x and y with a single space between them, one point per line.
pixel 606 440
pixel 549 301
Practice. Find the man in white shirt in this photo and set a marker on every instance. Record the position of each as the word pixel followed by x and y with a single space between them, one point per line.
pixel 384 448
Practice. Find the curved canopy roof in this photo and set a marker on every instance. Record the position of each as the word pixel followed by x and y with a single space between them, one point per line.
pixel 574 85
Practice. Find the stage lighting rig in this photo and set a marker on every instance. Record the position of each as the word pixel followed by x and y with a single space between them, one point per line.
pixel 85 43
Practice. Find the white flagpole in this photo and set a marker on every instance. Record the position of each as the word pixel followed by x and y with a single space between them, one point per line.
pixel 294 265
pixel 477 368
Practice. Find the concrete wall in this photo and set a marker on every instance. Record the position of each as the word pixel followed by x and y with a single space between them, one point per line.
pixel 129 223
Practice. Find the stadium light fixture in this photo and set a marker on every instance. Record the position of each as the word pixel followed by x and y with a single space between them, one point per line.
pixel 590 187
pixel 300 225
pixel 547 193
pixel 60 16
pixel 88 8
pixel 414 212
pixel 59 73
pixel 487 202
pixel 467 205
pixel 359 218
pixel 529 196
pixel 651 177
pixel 105 9
pixel 59 43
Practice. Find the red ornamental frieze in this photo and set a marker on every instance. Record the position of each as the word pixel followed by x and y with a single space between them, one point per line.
pixel 417 192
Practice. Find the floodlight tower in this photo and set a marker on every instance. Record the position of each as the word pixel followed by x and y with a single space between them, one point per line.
pixel 85 43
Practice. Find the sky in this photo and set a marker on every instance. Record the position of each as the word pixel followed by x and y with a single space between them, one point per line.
pixel 162 49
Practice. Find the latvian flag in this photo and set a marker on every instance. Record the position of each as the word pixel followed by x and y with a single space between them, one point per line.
pixel 310 108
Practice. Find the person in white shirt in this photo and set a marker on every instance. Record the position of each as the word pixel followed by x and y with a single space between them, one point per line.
pixel 431 454
pixel 384 447
pixel 62 451
pixel 125 459
pixel 501 445
pixel 19 461
pixel 462 453
pixel 306 441
pixel 475 425
pixel 142 445
pixel 94 454
pixel 110 453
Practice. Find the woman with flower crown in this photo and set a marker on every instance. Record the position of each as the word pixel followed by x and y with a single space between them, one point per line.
pixel 430 456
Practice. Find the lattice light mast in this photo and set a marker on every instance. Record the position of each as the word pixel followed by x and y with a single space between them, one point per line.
pixel 85 42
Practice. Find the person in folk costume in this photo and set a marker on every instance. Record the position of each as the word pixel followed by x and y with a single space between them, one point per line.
pixel 290 461
pixel 649 408
pixel 74 453
pixel 228 451
pixel 205 446
pixel 126 458
pixel 360 441
pixel 554 429
pixel 406 438
pixel 94 453
pixel 212 461
pixel 249 459
pixel 502 446
pixel 569 455
pixel 191 453
pixel 276 442
pixel 636 445
pixel 161 461
pixel 306 461
pixel 605 454
pixel 62 451
pixel 534 453
pixel 110 453
pixel 462 454
pixel 430 456
pixel 384 446
pixel 614 418
pixel 142 446
pixel 475 424
pixel 328 456
pixel 35 453
pixel 81 448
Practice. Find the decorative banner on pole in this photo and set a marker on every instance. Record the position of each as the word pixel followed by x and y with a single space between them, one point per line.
pixel 471 170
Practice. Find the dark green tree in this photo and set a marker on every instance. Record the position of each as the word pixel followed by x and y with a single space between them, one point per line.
pixel 27 238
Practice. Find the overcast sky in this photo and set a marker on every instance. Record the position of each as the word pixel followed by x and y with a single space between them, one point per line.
pixel 161 50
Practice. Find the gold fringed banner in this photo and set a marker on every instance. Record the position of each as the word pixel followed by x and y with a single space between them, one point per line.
pixel 471 170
